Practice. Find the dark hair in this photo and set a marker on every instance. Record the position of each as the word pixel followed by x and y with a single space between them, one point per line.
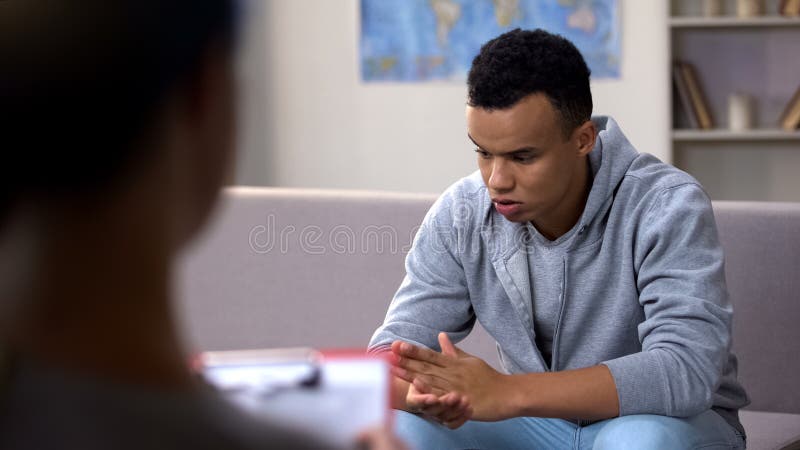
pixel 519 63
pixel 80 83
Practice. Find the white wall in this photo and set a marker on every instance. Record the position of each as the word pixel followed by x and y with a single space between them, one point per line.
pixel 319 126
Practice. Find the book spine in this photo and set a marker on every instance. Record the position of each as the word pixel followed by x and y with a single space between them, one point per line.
pixel 683 94
pixel 696 94
pixel 790 7
pixel 790 119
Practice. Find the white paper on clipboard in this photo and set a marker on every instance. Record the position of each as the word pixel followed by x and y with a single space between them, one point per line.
pixel 332 396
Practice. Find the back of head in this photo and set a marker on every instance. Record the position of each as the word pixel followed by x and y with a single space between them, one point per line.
pixel 519 63
pixel 80 83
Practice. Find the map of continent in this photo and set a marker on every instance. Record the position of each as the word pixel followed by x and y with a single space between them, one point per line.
pixel 427 40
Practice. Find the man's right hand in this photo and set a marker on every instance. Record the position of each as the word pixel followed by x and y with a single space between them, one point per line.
pixel 450 409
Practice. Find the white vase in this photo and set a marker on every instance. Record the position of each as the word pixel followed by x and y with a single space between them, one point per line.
pixel 740 112
pixel 749 8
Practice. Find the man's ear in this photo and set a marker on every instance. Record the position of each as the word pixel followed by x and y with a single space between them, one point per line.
pixel 202 156
pixel 585 137
pixel 210 110
pixel 207 88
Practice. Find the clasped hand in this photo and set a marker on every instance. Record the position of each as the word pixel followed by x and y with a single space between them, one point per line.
pixel 450 387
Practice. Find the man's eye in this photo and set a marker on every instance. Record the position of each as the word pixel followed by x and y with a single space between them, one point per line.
pixel 483 153
pixel 523 158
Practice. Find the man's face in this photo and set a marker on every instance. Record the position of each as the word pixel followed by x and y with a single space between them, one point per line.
pixel 528 165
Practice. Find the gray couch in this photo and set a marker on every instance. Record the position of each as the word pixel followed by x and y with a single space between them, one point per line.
pixel 283 267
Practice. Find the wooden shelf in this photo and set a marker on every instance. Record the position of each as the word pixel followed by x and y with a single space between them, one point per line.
pixel 721 135
pixel 733 22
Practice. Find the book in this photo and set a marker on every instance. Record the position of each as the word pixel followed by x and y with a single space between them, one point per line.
pixel 789 8
pixel 333 395
pixel 683 94
pixel 696 96
pixel 790 118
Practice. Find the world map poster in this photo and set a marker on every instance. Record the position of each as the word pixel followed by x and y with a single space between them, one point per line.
pixel 424 40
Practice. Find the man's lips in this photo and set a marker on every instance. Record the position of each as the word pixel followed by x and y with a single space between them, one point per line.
pixel 503 201
pixel 506 207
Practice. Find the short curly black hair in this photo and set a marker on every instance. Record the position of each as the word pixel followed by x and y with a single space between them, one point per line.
pixel 519 63
pixel 76 100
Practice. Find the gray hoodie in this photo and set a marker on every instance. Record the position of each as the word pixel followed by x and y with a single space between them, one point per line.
pixel 643 287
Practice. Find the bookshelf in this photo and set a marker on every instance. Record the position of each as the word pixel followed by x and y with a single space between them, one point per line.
pixel 764 134
pixel 755 56
pixel 733 22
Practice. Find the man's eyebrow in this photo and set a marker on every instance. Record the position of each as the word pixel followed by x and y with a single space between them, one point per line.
pixel 512 152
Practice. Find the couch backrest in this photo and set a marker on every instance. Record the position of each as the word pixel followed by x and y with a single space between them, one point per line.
pixel 290 267
pixel 762 268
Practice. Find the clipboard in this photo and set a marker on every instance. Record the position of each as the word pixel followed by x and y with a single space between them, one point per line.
pixel 332 394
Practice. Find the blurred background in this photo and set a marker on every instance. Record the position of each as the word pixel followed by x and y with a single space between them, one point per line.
pixel 311 119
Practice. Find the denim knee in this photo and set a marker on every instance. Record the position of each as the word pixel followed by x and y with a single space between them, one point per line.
pixel 421 434
pixel 639 432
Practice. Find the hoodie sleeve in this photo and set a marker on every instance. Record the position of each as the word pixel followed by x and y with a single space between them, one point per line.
pixel 433 296
pixel 685 336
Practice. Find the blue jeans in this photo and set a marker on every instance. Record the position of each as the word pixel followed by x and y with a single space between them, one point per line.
pixel 707 431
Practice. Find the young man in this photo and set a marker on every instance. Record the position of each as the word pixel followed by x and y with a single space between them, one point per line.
pixel 116 124
pixel 595 268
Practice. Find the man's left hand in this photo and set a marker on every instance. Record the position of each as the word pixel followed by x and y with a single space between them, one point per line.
pixel 454 370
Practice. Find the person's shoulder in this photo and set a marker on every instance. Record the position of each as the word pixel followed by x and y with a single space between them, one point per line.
pixel 663 196
pixel 652 174
pixel 468 188
pixel 650 182
pixel 244 430
pixel 85 412
pixel 465 201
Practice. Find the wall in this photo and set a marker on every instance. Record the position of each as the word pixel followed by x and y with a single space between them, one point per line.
pixel 318 126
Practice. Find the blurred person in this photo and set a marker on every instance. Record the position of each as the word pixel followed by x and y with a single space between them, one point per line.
pixel 116 127
pixel 596 269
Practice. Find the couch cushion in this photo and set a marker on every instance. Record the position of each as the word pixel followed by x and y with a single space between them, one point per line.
pixel 771 431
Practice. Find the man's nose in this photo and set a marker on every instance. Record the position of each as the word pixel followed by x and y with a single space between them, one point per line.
pixel 501 180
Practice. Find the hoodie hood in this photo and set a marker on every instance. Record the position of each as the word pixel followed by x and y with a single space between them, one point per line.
pixel 607 170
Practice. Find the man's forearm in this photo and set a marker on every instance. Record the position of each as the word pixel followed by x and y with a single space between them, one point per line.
pixel 588 393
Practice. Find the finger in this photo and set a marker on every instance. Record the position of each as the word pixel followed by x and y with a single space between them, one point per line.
pixel 421 386
pixel 424 388
pixel 427 383
pixel 457 411
pixel 422 367
pixel 409 375
pixel 447 408
pixel 452 399
pixel 423 399
pixel 417 403
pixel 403 374
pixel 408 351
pixel 435 383
pixel 424 404
pixel 435 411
pixel 461 420
pixel 396 347
pixel 447 346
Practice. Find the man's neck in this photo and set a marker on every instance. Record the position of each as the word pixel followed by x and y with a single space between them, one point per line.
pixel 569 210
